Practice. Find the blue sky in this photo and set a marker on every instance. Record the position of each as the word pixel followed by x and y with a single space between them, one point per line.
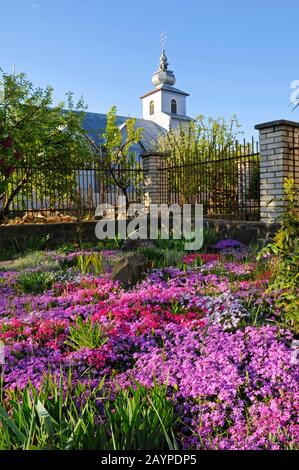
pixel 232 57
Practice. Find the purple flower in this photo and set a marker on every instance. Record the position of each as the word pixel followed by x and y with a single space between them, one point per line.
pixel 229 243
pixel 233 385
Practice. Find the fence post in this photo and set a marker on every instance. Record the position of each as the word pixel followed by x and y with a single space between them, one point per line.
pixel 155 178
pixel 279 152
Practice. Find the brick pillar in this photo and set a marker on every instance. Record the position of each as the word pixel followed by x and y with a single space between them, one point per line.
pixel 279 150
pixel 155 178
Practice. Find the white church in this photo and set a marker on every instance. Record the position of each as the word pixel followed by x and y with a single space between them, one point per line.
pixel 163 108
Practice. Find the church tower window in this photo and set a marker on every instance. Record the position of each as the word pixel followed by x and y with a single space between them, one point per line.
pixel 152 108
pixel 173 107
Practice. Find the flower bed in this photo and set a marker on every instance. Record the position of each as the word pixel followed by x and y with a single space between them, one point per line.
pixel 208 331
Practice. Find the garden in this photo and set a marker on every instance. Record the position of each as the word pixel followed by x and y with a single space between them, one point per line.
pixel 199 354
pixel 198 351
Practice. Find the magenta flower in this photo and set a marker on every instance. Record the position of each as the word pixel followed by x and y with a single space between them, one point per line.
pixel 233 385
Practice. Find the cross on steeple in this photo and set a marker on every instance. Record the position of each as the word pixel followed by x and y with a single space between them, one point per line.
pixel 163 38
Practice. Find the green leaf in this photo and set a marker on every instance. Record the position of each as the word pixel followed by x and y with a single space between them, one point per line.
pixel 10 423
pixel 45 418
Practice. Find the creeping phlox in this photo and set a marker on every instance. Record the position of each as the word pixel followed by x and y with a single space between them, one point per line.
pixel 232 380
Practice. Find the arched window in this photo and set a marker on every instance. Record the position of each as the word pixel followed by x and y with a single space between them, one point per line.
pixel 173 107
pixel 152 107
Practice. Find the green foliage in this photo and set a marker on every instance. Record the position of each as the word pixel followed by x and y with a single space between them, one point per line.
pixel 285 248
pixel 108 244
pixel 209 237
pixel 286 239
pixel 169 252
pixel 203 141
pixel 90 263
pixel 71 247
pixel 161 258
pixel 86 334
pixel 62 416
pixel 201 135
pixel 39 142
pixel 253 191
pixel 143 419
pixel 119 155
pixel 36 282
pixel 259 312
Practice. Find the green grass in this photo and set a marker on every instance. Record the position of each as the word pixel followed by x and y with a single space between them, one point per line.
pixel 31 260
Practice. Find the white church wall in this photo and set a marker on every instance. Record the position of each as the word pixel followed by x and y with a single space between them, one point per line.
pixel 156 98
pixel 180 100
pixel 158 117
pixel 164 121
pixel 162 103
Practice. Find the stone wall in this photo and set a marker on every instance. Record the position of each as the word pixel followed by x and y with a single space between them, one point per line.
pixel 279 150
pixel 247 232
pixel 59 233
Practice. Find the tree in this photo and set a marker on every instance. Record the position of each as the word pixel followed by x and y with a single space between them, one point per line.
pixel 199 160
pixel 39 143
pixel 119 160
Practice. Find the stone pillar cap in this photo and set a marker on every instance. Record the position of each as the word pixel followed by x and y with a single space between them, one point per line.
pixel 154 154
pixel 278 122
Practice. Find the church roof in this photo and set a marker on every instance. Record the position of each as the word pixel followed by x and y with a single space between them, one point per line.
pixel 166 88
pixel 95 124
pixel 181 117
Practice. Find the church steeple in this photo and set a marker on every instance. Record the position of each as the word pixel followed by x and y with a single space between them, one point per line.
pixel 163 75
pixel 165 105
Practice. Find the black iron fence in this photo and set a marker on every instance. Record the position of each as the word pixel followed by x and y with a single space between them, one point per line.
pixel 78 190
pixel 226 180
pixel 293 169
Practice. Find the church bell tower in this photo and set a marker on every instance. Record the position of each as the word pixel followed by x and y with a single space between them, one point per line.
pixel 165 105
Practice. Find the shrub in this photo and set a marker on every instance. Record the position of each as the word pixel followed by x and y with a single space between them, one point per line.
pixel 285 268
pixel 36 282
pixel 90 263
pixel 86 334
